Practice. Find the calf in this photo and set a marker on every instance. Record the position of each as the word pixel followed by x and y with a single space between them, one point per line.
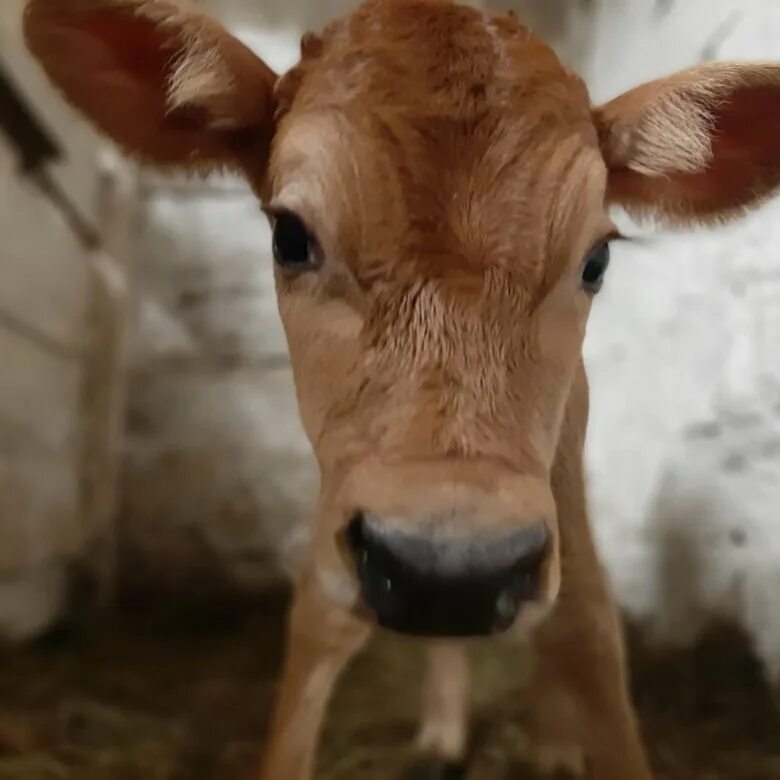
pixel 438 187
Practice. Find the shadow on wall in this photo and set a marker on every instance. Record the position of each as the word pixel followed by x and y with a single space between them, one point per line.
pixel 218 476
pixel 713 531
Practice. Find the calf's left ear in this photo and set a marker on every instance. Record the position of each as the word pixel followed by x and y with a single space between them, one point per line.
pixel 701 145
pixel 171 87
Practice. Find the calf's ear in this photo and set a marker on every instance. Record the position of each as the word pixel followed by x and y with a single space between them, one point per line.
pixel 702 145
pixel 171 87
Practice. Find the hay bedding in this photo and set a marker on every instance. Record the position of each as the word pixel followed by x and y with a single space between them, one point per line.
pixel 167 698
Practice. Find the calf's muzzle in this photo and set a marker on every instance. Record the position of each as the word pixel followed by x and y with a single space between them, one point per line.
pixel 429 583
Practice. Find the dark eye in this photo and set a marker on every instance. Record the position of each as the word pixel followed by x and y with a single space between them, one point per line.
pixel 294 247
pixel 594 268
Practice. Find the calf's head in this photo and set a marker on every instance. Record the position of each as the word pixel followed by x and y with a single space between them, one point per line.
pixel 438 187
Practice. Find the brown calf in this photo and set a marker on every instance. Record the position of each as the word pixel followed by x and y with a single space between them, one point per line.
pixel 438 185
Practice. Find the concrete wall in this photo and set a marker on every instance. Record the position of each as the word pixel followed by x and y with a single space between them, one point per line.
pixel 59 329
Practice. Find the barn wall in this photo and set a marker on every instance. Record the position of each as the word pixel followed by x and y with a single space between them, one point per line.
pixel 59 410
pixel 682 349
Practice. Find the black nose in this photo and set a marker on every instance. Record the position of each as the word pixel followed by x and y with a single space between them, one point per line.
pixel 446 585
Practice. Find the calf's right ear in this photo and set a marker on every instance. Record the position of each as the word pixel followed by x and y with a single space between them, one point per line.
pixel 171 87
pixel 697 146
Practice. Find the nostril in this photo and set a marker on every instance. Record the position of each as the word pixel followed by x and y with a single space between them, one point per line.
pixel 377 567
pixel 507 608
pixel 525 575
pixel 356 532
pixel 357 539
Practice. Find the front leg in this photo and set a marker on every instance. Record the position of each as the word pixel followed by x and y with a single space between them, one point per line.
pixel 443 738
pixel 582 720
pixel 322 639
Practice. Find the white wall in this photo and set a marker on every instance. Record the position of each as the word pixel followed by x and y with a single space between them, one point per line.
pixel 57 343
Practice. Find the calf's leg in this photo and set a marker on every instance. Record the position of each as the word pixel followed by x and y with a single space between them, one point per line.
pixel 443 737
pixel 581 715
pixel 322 639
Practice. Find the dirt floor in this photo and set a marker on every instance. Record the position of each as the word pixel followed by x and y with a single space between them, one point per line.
pixel 166 697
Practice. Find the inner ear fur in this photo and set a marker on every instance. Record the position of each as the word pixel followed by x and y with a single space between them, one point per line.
pixel 169 85
pixel 701 145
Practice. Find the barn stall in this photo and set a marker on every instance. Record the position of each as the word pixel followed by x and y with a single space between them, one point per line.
pixel 151 453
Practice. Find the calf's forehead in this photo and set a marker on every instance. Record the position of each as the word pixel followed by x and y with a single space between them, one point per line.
pixel 433 57
pixel 450 130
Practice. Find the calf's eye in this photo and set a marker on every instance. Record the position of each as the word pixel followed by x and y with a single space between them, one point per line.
pixel 594 268
pixel 294 247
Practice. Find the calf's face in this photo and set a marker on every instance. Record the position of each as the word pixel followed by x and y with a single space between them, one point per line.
pixel 437 194
pixel 438 188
